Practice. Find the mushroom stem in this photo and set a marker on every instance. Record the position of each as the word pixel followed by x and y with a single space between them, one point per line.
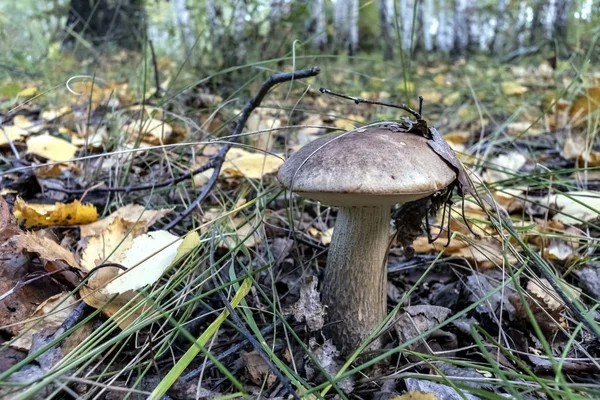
pixel 354 285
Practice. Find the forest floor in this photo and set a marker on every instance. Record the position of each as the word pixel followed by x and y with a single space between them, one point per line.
pixel 111 289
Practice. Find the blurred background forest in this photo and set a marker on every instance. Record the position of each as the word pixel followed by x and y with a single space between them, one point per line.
pixel 216 34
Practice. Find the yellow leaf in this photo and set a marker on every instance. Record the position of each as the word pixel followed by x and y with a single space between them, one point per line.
pixel 51 148
pixel 26 124
pixel 513 88
pixel 409 86
pixel 440 79
pixel 10 134
pixel 253 165
pixel 73 213
pixel 415 395
pixel 132 213
pixel 324 237
pixel 240 231
pixel 28 92
pixel 451 98
pixel 585 104
pixel 431 97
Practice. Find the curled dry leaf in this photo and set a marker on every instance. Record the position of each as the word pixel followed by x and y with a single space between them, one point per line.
pixel 47 249
pixel 418 319
pixel 257 369
pixel 326 355
pixel 132 213
pixel 40 215
pixel 45 319
pixel 51 148
pixel 309 308
pixel 324 237
pixel 576 148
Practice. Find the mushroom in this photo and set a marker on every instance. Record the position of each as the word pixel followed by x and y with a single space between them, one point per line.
pixel 364 172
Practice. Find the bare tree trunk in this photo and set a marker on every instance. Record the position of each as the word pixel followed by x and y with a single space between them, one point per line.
pixel 316 25
pixel 213 16
pixel 445 34
pixel 536 22
pixel 497 44
pixel 561 26
pixel 427 11
pixel 407 9
pixel 188 37
pixel 353 47
pixel 521 24
pixel 462 26
pixel 386 10
pixel 239 27
pixel 346 25
pixel 550 18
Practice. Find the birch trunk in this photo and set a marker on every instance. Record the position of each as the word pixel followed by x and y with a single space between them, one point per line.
pixel 386 10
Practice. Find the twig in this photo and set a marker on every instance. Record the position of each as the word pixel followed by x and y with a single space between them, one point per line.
pixel 252 104
pixel 155 64
pixel 132 188
pixel 358 100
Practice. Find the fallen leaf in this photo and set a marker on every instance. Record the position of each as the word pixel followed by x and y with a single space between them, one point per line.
pixel 50 320
pixel 415 395
pixel 38 215
pixel 252 165
pixel 10 133
pixel 418 319
pixel 133 213
pixel 575 207
pixel 148 257
pixel 257 369
pixel 584 105
pixel 324 237
pixel 576 148
pixel 47 249
pixel 28 93
pixel 544 291
pixel 326 355
pixel 154 131
pixel 239 232
pixel 509 162
pixel 440 391
pixel 517 128
pixel 15 266
pixel 513 88
pixel 451 98
pixel 51 148
pixel 309 308
pixel 431 97
pixel 27 125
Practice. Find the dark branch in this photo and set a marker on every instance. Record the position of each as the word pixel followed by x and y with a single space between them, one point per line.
pixel 358 100
pixel 252 104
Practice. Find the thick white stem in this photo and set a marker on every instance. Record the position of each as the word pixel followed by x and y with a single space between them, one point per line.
pixel 354 286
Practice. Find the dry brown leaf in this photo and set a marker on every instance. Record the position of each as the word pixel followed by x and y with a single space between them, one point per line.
pixel 240 229
pixel 584 105
pixel 257 369
pixel 51 319
pixel 51 148
pixel 575 148
pixel 309 308
pixel 37 215
pixel 46 248
pixel 133 213
pixel 118 307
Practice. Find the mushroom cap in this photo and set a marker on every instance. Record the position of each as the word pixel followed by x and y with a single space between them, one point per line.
pixel 378 165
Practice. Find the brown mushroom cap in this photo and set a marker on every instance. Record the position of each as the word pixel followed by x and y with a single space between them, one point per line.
pixel 373 166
